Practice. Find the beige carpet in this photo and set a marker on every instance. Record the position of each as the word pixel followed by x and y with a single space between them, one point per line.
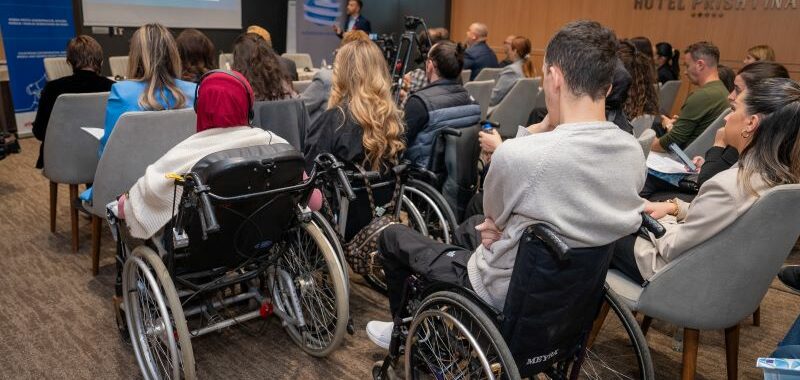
pixel 56 320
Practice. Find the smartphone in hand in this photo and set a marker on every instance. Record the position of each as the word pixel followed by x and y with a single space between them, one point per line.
pixel 683 157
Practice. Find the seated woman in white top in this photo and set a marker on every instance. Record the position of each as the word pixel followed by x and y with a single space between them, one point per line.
pixel 521 67
pixel 765 126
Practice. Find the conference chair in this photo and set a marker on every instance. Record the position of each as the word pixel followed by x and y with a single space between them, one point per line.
pixel 57 67
pixel 488 73
pixel 287 118
pixel 642 123
pixel 705 141
pixel 118 66
pixel 646 141
pixel 720 282
pixel 225 61
pixel 138 140
pixel 302 60
pixel 465 74
pixel 515 108
pixel 481 91
pixel 667 95
pixel 300 85
pixel 70 154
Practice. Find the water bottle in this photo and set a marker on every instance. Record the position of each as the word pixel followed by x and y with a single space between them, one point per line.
pixel 324 64
pixel 677 340
pixel 487 127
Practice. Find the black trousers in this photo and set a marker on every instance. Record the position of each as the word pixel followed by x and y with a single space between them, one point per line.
pixel 624 260
pixel 404 252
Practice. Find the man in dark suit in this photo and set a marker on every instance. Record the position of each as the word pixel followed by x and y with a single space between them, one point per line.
pixel 478 54
pixel 85 56
pixel 355 21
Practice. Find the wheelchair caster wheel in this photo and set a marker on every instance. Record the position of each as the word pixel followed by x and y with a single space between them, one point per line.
pixel 119 317
pixel 379 374
pixel 351 329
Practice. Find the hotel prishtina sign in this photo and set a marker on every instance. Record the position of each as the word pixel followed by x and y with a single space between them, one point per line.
pixel 713 5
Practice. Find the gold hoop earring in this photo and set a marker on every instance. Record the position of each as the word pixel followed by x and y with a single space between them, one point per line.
pixel 746 135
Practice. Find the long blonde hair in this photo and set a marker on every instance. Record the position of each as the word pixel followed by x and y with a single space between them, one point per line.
pixel 154 59
pixel 361 84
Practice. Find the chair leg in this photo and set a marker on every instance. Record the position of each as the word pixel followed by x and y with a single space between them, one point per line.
pixel 73 215
pixel 757 317
pixel 53 201
pixel 691 339
pixel 598 323
pixel 97 228
pixel 646 321
pixel 732 351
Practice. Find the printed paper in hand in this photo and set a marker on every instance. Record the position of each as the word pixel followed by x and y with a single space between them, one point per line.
pixel 664 163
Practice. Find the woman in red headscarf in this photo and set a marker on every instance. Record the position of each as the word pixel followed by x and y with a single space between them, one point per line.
pixel 222 105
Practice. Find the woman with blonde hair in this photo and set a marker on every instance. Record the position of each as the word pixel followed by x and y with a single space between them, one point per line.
pixel 759 53
pixel 154 66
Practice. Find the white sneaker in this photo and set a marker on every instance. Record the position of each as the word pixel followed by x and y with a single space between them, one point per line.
pixel 380 333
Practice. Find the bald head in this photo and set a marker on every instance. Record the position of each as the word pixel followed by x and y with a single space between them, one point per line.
pixel 477 32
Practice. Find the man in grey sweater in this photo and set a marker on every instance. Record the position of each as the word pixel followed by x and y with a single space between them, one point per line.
pixel 574 171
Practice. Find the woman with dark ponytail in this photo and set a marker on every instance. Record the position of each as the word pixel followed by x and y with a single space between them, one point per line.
pixel 521 67
pixel 668 61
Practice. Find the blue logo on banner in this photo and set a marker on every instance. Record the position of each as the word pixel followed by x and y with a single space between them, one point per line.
pixel 322 12
pixel 33 30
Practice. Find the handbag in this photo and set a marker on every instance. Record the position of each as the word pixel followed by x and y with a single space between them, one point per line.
pixel 362 250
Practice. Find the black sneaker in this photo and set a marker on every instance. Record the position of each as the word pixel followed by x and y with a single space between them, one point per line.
pixel 790 277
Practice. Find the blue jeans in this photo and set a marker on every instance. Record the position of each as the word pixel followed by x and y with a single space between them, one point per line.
pixel 789 347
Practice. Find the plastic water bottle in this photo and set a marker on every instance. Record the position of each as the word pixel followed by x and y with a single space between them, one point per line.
pixel 677 340
pixel 487 127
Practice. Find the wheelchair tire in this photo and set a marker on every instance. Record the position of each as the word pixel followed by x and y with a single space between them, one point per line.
pixel 321 334
pixel 327 230
pixel 473 343
pixel 440 221
pixel 603 359
pixel 163 350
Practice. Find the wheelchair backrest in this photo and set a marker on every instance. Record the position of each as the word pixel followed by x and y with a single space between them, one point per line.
pixel 247 227
pixel 552 302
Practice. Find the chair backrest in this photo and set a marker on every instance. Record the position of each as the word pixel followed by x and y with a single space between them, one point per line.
pixel 515 108
pixel 642 123
pixel 57 67
pixel 302 60
pixel 70 153
pixel 705 141
pixel 225 61
pixel 138 140
pixel 287 118
pixel 465 74
pixel 721 281
pixel 488 73
pixel 481 91
pixel 301 85
pixel 646 141
pixel 118 66
pixel 667 95
pixel 461 155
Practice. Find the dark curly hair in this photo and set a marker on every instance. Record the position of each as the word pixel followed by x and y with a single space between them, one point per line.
pixel 642 94
pixel 197 54
pixel 261 66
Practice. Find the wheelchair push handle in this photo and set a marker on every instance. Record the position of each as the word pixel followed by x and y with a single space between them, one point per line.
pixel 651 224
pixel 208 219
pixel 326 162
pixel 348 190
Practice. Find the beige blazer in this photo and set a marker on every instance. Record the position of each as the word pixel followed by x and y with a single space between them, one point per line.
pixel 719 203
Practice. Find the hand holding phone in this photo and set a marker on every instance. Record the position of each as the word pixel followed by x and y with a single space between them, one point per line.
pixel 683 157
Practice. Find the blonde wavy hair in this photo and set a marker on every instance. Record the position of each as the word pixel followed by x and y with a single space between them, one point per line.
pixel 361 85
pixel 154 59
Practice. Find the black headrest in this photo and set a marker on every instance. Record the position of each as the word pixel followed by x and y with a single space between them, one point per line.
pixel 216 163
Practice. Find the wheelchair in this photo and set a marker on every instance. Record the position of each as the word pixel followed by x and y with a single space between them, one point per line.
pixel 242 245
pixel 555 323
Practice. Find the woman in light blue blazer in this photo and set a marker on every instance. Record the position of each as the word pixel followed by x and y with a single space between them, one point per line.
pixel 521 67
pixel 154 66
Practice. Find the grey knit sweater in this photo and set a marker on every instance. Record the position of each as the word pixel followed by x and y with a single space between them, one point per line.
pixel 583 179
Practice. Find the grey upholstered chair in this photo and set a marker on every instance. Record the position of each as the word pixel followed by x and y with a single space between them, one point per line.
pixel 481 91
pixel 646 141
pixel 286 118
pixel 667 95
pixel 70 153
pixel 57 67
pixel 705 141
pixel 225 61
pixel 488 73
pixel 302 60
pixel 138 140
pixel 718 283
pixel 300 85
pixel 642 123
pixel 465 74
pixel 515 108
pixel 118 66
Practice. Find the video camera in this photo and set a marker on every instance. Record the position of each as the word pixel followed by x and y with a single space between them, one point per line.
pixel 412 44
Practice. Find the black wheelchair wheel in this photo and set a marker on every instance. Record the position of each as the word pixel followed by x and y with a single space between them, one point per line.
pixel 451 337
pixel 617 348
pixel 439 219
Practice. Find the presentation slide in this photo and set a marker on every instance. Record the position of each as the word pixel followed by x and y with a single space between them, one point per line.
pixel 207 14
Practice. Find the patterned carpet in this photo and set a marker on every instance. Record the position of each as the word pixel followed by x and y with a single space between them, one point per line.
pixel 56 319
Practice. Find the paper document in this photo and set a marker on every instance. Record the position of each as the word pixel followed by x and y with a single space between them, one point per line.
pixel 664 163
pixel 95 132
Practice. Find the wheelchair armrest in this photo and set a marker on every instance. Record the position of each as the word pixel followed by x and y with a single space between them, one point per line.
pixel 651 224
pixel 450 131
pixel 551 240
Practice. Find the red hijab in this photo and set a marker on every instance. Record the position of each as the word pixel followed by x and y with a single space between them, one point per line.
pixel 222 101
